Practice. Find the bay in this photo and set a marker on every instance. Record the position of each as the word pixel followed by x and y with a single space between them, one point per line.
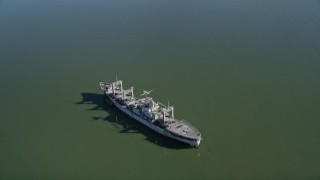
pixel 245 73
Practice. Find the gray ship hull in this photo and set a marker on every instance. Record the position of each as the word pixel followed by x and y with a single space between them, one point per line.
pixel 164 132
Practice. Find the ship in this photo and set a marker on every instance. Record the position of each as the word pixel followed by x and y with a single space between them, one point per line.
pixel 154 115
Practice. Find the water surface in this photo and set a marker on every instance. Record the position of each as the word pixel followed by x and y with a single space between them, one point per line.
pixel 245 73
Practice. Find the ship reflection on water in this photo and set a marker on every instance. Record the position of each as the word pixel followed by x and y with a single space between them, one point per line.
pixel 125 124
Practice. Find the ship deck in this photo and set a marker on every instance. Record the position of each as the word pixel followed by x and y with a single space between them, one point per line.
pixel 184 128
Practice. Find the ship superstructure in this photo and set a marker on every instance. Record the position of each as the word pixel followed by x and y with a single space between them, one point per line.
pixel 154 115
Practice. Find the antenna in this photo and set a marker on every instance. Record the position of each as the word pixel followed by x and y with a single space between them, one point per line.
pixel 116 77
pixel 146 93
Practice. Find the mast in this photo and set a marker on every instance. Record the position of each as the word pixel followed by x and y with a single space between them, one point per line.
pixel 113 92
pixel 121 85
pixel 172 112
pixel 170 108
pixel 164 116
pixel 132 93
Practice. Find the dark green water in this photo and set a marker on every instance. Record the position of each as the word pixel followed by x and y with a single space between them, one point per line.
pixel 245 73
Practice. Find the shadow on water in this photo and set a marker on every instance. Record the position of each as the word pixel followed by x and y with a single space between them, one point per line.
pixel 125 124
